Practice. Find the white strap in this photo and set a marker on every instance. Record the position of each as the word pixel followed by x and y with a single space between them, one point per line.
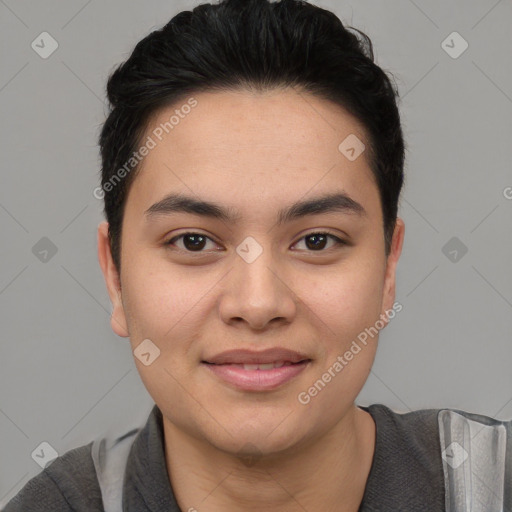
pixel 474 463
pixel 109 455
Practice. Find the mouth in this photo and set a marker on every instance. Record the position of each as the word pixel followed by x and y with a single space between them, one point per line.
pixel 272 356
pixel 259 366
pixel 257 376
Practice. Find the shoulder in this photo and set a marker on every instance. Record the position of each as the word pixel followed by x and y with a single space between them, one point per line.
pixel 432 430
pixel 427 454
pixel 410 439
pixel 423 425
pixel 68 483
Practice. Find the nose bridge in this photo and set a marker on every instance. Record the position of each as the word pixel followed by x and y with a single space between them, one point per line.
pixel 256 292
pixel 257 274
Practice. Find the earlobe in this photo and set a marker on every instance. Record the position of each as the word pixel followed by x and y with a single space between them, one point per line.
pixel 112 281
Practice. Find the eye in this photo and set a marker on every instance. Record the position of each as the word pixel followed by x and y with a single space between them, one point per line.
pixel 192 242
pixel 196 242
pixel 318 240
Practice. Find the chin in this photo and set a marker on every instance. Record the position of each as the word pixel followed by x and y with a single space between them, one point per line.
pixel 266 437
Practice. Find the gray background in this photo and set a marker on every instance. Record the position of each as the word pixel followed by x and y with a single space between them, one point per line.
pixel 66 378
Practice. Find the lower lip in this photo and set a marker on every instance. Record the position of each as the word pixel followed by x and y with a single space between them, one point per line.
pixel 256 380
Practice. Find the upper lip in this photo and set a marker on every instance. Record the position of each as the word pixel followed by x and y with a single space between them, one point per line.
pixel 270 355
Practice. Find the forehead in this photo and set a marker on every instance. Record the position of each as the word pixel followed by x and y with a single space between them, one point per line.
pixel 279 119
pixel 258 146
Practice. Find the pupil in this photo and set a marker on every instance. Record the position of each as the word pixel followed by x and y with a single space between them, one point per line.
pixel 197 241
pixel 316 245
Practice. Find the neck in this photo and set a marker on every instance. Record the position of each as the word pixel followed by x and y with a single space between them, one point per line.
pixel 329 473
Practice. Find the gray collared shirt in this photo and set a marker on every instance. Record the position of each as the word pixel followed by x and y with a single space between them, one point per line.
pixel 406 472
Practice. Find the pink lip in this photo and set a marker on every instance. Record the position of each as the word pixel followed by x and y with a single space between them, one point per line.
pixel 256 380
pixel 243 356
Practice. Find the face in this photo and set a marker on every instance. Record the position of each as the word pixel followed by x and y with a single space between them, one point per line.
pixel 262 276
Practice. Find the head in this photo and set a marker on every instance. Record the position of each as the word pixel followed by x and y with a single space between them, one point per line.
pixel 279 140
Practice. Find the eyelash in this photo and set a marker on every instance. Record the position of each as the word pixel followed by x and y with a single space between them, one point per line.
pixel 338 241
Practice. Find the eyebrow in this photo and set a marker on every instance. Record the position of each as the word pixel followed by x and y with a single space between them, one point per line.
pixel 180 203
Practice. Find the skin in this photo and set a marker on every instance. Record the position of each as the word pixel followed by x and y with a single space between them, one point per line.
pixel 256 153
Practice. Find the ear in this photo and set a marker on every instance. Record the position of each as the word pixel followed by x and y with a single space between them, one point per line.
pixel 388 298
pixel 113 282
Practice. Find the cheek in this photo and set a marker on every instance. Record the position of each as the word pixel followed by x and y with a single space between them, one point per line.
pixel 163 306
pixel 163 302
pixel 349 299
pixel 346 306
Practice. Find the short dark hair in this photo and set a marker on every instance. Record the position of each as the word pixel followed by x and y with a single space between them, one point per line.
pixel 254 45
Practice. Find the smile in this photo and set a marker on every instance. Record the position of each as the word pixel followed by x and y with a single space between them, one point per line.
pixel 257 377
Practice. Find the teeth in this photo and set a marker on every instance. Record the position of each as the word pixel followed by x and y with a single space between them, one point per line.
pixel 252 366
pixel 266 366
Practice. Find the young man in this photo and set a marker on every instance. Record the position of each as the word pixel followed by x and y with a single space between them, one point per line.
pixel 252 166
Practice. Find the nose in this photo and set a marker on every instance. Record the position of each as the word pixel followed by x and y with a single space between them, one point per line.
pixel 258 293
